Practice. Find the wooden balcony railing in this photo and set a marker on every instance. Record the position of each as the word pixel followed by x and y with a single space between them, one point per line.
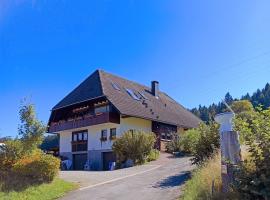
pixel 85 121
pixel 79 146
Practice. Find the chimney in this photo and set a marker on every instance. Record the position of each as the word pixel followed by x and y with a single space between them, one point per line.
pixel 155 88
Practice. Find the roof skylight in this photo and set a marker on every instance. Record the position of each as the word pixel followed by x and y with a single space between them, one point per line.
pixel 132 94
pixel 115 86
pixel 143 96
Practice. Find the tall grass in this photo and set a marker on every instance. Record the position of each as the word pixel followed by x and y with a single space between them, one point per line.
pixel 205 179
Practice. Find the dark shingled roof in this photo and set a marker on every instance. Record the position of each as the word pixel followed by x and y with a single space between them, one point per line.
pixel 162 109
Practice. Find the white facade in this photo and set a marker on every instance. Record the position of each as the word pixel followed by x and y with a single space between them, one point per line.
pixel 94 133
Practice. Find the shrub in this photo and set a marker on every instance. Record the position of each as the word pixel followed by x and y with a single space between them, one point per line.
pixel 37 166
pixel 21 162
pixel 153 155
pixel 253 178
pixel 135 145
pixel 207 144
pixel 9 153
pixel 189 139
pixel 174 145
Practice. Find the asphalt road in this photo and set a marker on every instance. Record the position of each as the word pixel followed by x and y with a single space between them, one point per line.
pixel 163 179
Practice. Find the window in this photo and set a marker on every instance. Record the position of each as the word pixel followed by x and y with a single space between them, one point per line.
pixel 79 141
pixel 112 133
pixel 102 109
pixel 79 136
pixel 143 96
pixel 169 136
pixel 85 136
pixel 115 86
pixel 166 136
pixel 132 94
pixel 103 135
pixel 163 136
pixel 74 137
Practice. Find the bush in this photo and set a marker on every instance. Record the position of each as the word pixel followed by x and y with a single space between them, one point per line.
pixel 9 153
pixel 134 145
pixel 207 144
pixel 153 155
pixel 21 162
pixel 38 167
pixel 189 140
pixel 174 145
pixel 253 178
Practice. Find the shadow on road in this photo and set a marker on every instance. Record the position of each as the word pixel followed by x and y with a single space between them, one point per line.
pixel 173 181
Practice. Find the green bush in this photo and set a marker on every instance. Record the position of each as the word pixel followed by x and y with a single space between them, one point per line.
pixel 207 144
pixel 21 162
pixel 135 145
pixel 189 139
pixel 253 177
pixel 174 145
pixel 9 154
pixel 37 166
pixel 153 155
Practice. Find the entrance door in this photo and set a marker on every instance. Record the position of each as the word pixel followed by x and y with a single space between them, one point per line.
pixel 107 158
pixel 79 160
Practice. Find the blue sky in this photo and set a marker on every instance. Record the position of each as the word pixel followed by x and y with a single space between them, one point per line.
pixel 197 50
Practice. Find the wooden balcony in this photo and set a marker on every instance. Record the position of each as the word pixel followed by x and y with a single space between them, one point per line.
pixel 79 146
pixel 85 121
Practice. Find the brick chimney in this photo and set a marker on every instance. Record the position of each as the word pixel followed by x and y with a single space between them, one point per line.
pixel 155 88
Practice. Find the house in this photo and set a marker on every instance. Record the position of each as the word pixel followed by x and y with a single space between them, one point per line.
pixel 103 107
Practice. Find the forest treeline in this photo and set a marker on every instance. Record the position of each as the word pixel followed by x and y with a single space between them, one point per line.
pixel 259 98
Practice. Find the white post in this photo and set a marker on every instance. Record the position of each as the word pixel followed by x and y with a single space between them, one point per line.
pixel 230 148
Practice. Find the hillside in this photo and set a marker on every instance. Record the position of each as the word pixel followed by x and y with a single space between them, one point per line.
pixel 260 97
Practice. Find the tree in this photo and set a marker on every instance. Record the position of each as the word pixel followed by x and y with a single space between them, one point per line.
pixel 242 106
pixel 253 178
pixel 31 129
pixel 228 98
pixel 22 163
pixel 258 98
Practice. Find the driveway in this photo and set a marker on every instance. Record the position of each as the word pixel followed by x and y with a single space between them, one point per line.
pixel 161 179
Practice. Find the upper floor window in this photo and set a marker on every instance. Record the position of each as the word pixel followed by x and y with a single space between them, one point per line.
pixel 112 133
pixel 142 94
pixel 79 141
pixel 103 135
pixel 102 109
pixel 115 86
pixel 132 94
pixel 79 136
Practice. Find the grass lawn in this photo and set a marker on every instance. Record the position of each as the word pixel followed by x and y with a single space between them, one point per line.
pixel 49 191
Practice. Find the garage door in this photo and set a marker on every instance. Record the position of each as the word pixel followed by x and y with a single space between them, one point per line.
pixel 79 161
pixel 107 158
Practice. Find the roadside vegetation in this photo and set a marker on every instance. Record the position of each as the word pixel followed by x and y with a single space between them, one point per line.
pixel 47 191
pixel 204 180
pixel 202 143
pixel 135 145
pixel 252 176
pixel 23 166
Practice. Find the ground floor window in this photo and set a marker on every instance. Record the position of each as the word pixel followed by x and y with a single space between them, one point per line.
pixel 166 136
